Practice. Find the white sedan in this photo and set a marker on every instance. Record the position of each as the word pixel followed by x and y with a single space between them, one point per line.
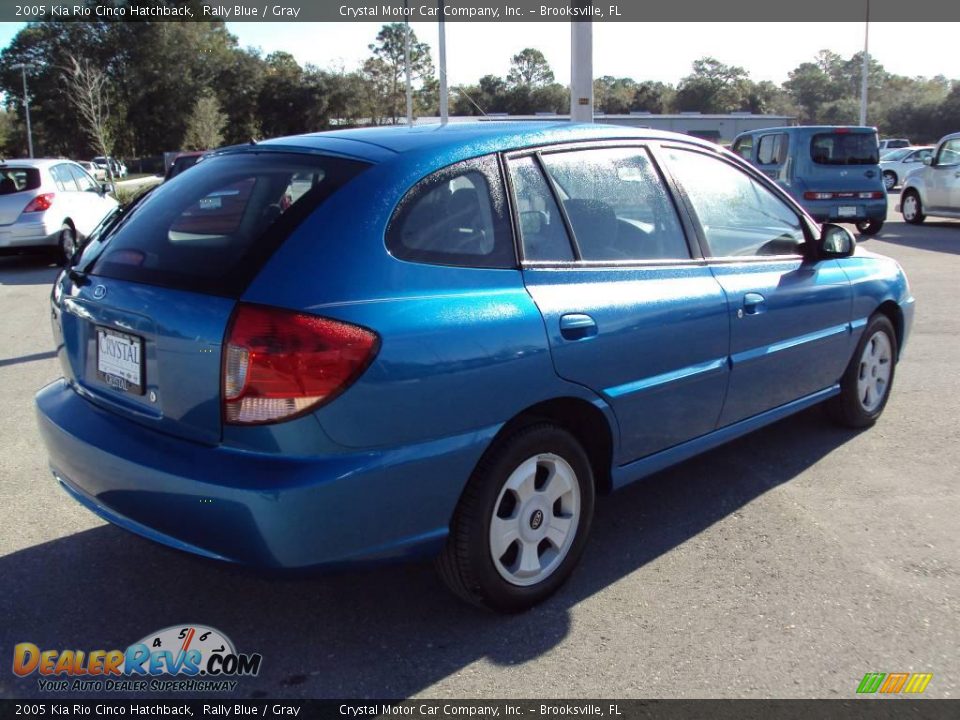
pixel 895 164
pixel 934 188
pixel 49 204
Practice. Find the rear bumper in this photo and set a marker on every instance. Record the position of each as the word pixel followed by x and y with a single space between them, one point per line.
pixel 36 233
pixel 254 508
pixel 829 210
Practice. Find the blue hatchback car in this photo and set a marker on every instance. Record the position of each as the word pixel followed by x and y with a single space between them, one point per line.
pixel 382 343
pixel 833 171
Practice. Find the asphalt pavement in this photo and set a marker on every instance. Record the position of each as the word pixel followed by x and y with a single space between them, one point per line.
pixel 788 563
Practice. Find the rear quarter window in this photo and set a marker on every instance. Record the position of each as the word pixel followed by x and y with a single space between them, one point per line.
pixel 457 216
pixel 211 230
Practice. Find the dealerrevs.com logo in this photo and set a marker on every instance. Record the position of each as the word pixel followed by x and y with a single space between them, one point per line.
pixel 187 658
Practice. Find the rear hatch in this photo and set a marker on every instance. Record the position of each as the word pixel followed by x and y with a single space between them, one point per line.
pixel 16 190
pixel 843 160
pixel 141 319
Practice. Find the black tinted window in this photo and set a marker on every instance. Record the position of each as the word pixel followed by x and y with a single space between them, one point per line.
pixel 211 229
pixel 542 231
pixel 617 205
pixel 452 218
pixel 14 180
pixel 838 148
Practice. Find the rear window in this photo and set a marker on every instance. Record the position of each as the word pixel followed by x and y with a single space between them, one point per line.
pixel 845 149
pixel 14 180
pixel 212 229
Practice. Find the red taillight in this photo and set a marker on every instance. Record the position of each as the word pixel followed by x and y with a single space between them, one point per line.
pixel 280 363
pixel 40 203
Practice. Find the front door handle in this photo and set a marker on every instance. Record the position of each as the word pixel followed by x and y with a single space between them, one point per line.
pixel 576 326
pixel 753 303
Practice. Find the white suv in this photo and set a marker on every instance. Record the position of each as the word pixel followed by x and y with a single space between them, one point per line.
pixel 935 188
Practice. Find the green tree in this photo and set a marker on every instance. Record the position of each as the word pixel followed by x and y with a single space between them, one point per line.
pixel 386 70
pixel 529 68
pixel 712 87
pixel 205 124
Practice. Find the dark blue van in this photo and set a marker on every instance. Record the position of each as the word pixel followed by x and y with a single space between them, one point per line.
pixel 832 171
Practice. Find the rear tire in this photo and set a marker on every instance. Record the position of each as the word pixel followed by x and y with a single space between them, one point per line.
pixel 522 521
pixel 868 379
pixel 911 208
pixel 869 227
pixel 67 244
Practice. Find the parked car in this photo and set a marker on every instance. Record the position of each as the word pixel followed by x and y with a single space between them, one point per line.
pixel 118 168
pixel 48 204
pixel 897 163
pixel 893 144
pixel 386 343
pixel 934 187
pixel 95 171
pixel 832 171
pixel 182 162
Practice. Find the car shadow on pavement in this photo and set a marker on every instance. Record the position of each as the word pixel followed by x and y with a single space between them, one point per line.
pixel 386 632
pixel 27 270
pixel 934 235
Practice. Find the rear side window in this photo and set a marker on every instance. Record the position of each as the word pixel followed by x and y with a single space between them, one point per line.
pixel 455 218
pixel 14 180
pixel 63 178
pixel 213 228
pixel 617 205
pixel 845 148
pixel 542 231
pixel 772 149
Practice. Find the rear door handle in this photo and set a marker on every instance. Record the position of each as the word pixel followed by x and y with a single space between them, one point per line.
pixel 753 303
pixel 576 326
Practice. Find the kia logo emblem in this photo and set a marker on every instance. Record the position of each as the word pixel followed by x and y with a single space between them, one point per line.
pixel 99 291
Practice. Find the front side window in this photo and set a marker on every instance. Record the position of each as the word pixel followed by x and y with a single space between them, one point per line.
pixel 744 147
pixel 949 153
pixel 845 148
pixel 739 216
pixel 617 205
pixel 451 218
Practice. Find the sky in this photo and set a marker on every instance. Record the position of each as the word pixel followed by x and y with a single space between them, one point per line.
pixel 643 51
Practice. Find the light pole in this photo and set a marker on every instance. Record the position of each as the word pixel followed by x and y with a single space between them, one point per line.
pixel 866 68
pixel 26 105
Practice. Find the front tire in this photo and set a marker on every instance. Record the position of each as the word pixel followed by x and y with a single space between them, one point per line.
pixel 869 227
pixel 911 208
pixel 522 521
pixel 865 386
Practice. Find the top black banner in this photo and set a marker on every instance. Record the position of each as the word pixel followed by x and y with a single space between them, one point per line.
pixel 733 11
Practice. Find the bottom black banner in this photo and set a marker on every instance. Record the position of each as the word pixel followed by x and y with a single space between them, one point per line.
pixel 867 709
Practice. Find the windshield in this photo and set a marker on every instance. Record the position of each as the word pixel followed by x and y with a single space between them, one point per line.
pixel 211 229
pixel 845 148
pixel 895 155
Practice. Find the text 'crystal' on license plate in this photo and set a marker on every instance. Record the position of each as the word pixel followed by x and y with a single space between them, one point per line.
pixel 120 360
pixel 847 211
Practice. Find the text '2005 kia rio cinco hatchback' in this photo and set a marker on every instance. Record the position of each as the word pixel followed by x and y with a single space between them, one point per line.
pixel 385 343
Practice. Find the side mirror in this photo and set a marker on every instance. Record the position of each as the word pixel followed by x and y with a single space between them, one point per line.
pixel 928 160
pixel 105 188
pixel 835 242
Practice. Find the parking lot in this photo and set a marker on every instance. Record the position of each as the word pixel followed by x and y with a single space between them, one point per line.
pixel 786 564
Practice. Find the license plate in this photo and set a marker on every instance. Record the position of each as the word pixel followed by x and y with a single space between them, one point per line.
pixel 847 211
pixel 120 360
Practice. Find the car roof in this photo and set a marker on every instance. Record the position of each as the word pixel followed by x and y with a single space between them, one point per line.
pixel 34 162
pixel 463 139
